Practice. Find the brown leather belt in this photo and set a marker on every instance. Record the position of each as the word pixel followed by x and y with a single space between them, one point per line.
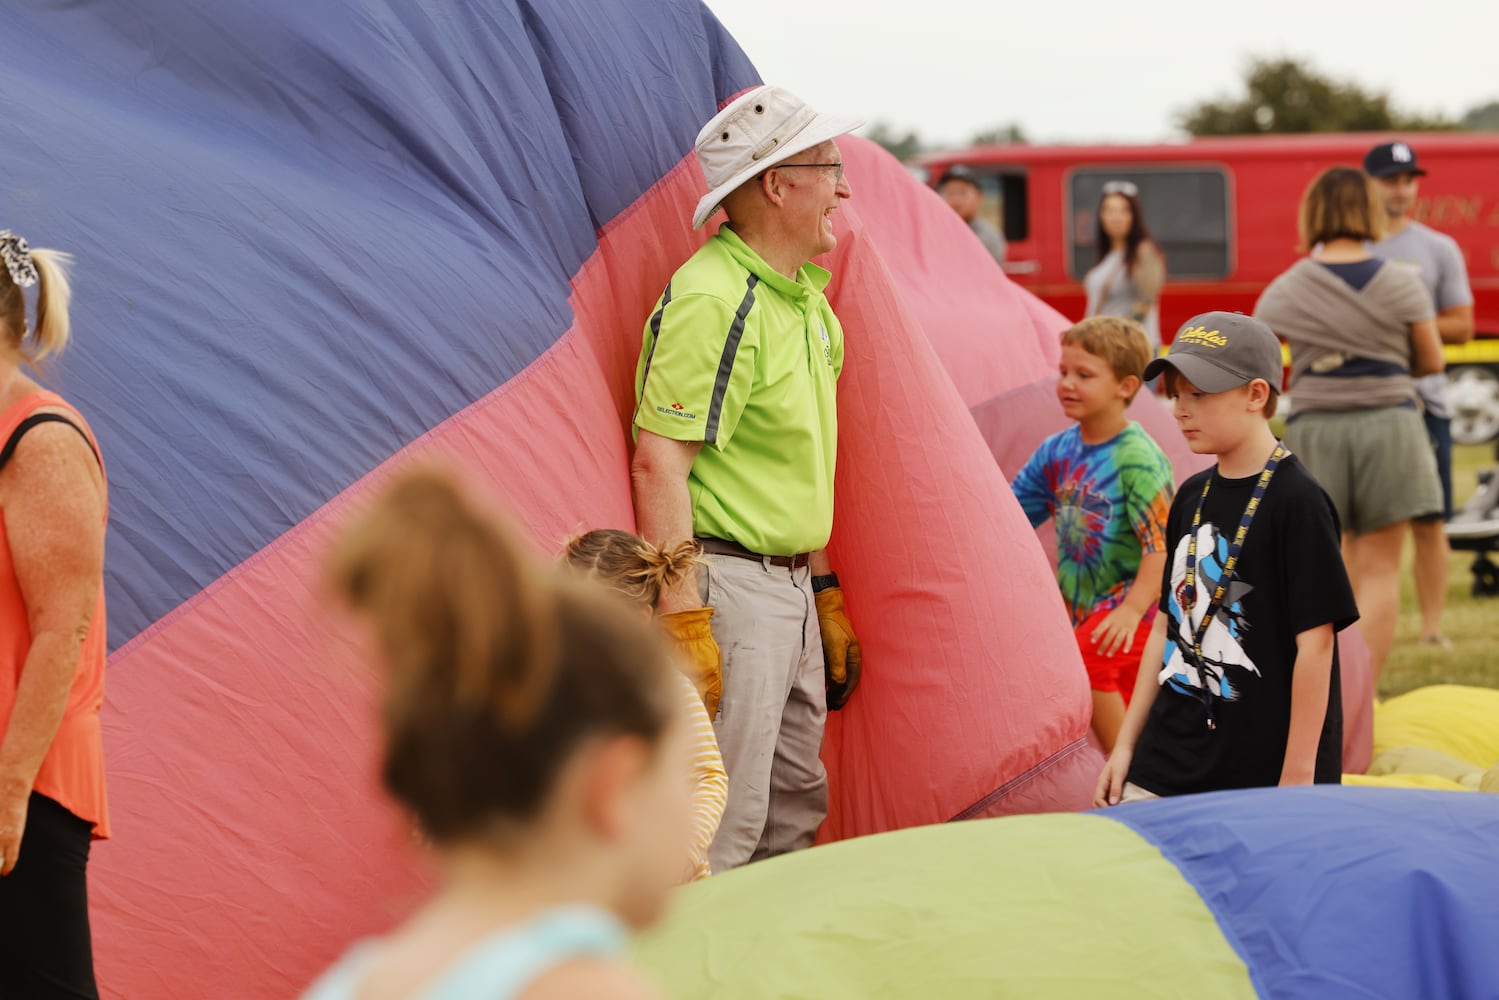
pixel 723 547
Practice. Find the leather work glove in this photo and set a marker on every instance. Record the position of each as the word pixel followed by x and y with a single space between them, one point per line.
pixel 701 659
pixel 841 658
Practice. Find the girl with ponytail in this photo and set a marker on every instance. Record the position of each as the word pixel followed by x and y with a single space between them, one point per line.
pixel 531 726
pixel 53 509
pixel 643 572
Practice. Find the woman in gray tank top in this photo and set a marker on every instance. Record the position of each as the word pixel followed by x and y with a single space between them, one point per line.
pixel 1131 269
pixel 1360 330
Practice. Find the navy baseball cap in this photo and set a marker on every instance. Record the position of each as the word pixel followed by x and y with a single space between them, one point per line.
pixel 959 172
pixel 1391 158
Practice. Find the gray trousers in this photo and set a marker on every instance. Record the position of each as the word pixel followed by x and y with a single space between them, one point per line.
pixel 770 721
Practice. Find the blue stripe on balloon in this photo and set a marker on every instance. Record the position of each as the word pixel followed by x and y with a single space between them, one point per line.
pixel 306 233
pixel 1342 892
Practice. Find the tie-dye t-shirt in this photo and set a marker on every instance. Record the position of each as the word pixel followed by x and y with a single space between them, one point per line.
pixel 1109 502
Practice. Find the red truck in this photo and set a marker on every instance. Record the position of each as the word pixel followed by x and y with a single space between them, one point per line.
pixel 1224 212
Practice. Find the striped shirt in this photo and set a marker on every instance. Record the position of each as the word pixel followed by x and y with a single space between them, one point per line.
pixel 710 782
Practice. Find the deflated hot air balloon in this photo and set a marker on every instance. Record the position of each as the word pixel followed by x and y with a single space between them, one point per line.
pixel 1286 893
pixel 315 239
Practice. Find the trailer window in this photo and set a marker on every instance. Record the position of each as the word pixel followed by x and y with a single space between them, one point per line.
pixel 1014 212
pixel 1186 210
pixel 1005 202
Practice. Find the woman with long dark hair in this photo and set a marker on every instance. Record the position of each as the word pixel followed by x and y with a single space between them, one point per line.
pixel 1131 269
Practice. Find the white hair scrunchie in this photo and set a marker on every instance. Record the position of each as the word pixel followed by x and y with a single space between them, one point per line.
pixel 18 260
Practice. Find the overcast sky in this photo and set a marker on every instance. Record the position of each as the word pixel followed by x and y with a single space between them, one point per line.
pixel 1072 70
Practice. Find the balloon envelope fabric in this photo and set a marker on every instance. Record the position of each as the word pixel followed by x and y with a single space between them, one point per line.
pixel 1000 345
pixel 1285 893
pixel 317 240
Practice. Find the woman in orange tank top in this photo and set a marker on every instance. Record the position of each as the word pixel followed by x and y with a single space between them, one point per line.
pixel 53 508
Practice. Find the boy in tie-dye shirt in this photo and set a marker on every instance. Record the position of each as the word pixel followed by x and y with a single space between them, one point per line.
pixel 1108 486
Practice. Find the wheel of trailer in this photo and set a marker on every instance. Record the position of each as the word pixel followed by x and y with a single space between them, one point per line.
pixel 1485 577
pixel 1473 396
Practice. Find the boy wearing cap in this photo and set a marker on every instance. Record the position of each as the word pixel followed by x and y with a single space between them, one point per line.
pixel 1438 260
pixel 959 187
pixel 1253 595
pixel 1108 486
pixel 736 425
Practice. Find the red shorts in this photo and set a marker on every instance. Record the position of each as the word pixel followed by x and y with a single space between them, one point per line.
pixel 1117 672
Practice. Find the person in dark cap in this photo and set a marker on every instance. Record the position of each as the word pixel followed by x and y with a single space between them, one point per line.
pixel 1440 263
pixel 959 187
pixel 1238 686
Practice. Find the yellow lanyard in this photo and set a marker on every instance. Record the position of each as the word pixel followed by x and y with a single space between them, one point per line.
pixel 1189 594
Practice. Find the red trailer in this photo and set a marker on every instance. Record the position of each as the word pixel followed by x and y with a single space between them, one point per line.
pixel 1224 211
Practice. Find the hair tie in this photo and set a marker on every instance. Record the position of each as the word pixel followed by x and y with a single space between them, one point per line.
pixel 17 259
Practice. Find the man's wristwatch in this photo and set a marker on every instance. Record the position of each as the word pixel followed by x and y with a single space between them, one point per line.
pixel 821 583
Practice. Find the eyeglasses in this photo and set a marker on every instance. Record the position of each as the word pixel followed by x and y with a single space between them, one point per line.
pixel 837 177
pixel 1121 187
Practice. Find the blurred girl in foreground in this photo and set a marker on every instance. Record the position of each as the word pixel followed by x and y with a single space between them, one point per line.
pixel 533 727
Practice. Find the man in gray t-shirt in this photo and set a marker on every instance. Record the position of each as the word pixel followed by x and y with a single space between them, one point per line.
pixel 1440 262
pixel 959 187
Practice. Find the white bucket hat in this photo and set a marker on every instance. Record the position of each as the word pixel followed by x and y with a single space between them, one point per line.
pixel 754 133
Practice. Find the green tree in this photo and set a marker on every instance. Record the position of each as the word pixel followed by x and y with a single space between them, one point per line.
pixel 903 145
pixel 1287 95
pixel 1484 118
pixel 999 134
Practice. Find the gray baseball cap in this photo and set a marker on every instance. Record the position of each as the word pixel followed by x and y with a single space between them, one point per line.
pixel 1219 351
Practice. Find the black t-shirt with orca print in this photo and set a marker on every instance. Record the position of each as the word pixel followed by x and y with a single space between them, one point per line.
pixel 1289 579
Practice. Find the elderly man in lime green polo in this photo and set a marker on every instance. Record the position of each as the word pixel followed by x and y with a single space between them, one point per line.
pixel 736 440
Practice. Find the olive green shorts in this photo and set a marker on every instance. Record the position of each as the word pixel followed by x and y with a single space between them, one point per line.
pixel 1377 465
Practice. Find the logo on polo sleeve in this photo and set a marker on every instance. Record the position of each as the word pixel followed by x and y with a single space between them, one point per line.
pixel 677 410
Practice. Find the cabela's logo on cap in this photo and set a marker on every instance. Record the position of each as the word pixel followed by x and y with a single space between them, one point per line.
pixel 1202 335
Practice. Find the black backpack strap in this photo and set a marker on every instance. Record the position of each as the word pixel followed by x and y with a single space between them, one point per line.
pixel 32 421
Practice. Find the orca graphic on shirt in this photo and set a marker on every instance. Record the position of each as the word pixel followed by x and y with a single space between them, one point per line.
pixel 1226 666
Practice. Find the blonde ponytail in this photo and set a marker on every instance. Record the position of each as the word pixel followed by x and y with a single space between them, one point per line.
pixel 666 567
pixel 630 564
pixel 48 270
pixel 53 293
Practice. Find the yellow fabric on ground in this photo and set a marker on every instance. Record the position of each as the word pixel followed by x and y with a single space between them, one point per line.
pixel 1431 781
pixel 1424 760
pixel 1462 722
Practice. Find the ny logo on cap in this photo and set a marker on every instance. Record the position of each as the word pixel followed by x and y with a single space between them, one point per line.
pixel 1401 153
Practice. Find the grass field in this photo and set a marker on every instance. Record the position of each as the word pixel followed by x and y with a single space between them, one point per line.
pixel 1471 623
